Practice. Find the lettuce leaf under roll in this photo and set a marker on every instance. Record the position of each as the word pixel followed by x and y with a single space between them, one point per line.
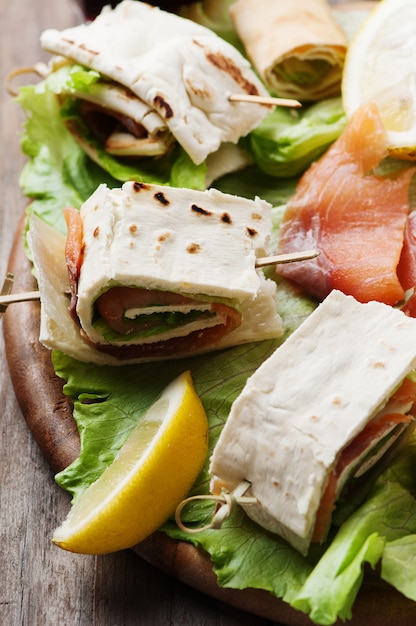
pixel 289 140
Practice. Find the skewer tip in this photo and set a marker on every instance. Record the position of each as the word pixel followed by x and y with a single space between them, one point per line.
pixel 289 257
pixel 267 100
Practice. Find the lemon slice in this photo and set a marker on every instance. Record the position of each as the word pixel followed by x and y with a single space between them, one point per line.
pixel 153 471
pixel 380 66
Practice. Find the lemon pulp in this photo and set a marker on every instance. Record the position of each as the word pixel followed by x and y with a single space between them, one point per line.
pixel 380 66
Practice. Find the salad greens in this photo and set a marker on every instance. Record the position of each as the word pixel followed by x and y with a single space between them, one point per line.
pixel 108 401
pixel 288 140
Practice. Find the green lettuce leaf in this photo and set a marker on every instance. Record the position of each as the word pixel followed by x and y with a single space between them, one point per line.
pixel 243 555
pixel 289 140
pixel 381 529
pixel 253 182
pixel 399 565
pixel 108 401
pixel 329 592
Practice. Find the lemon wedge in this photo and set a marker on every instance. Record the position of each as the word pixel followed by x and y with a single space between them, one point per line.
pixel 153 471
pixel 380 66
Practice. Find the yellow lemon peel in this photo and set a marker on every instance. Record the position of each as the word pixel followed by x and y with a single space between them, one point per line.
pixel 380 66
pixel 153 471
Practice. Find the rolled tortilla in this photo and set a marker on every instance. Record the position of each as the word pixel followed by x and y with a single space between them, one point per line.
pixel 174 252
pixel 151 136
pixel 297 427
pixel 296 45
pixel 181 70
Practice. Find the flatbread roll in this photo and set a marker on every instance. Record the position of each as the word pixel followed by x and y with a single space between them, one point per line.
pixel 164 273
pixel 296 45
pixel 319 414
pixel 180 69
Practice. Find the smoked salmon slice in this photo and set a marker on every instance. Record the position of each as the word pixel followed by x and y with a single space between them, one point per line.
pixel 73 250
pixel 74 245
pixel 374 431
pixel 354 217
pixel 406 270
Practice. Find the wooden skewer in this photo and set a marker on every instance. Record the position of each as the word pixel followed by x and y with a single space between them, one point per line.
pixel 290 257
pixel 7 298
pixel 5 290
pixel 40 69
pixel 282 102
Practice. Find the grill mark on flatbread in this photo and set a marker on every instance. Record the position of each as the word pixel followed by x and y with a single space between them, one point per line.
pixel 199 210
pixel 160 197
pixel 198 91
pixel 84 47
pixel 226 218
pixel 140 186
pixel 193 248
pixel 226 65
pixel 163 107
pixel 71 42
pixel 164 237
pixel 251 232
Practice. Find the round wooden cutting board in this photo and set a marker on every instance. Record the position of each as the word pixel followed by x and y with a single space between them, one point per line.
pixel 48 414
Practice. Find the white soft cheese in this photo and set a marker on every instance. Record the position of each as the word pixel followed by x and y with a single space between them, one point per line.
pixel 306 403
pixel 179 68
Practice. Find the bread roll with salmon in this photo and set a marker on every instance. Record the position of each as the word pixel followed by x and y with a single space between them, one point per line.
pixel 155 272
pixel 181 73
pixel 320 417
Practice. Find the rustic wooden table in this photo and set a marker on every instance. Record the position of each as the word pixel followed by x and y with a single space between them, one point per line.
pixel 42 585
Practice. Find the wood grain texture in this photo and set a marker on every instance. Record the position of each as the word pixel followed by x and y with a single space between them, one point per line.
pixel 48 412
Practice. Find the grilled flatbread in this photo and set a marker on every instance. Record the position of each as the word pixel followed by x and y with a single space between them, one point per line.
pixel 164 272
pixel 181 70
pixel 319 414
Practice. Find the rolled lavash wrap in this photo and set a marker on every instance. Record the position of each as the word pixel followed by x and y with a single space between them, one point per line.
pixel 181 72
pixel 296 46
pixel 320 418
pixel 160 273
